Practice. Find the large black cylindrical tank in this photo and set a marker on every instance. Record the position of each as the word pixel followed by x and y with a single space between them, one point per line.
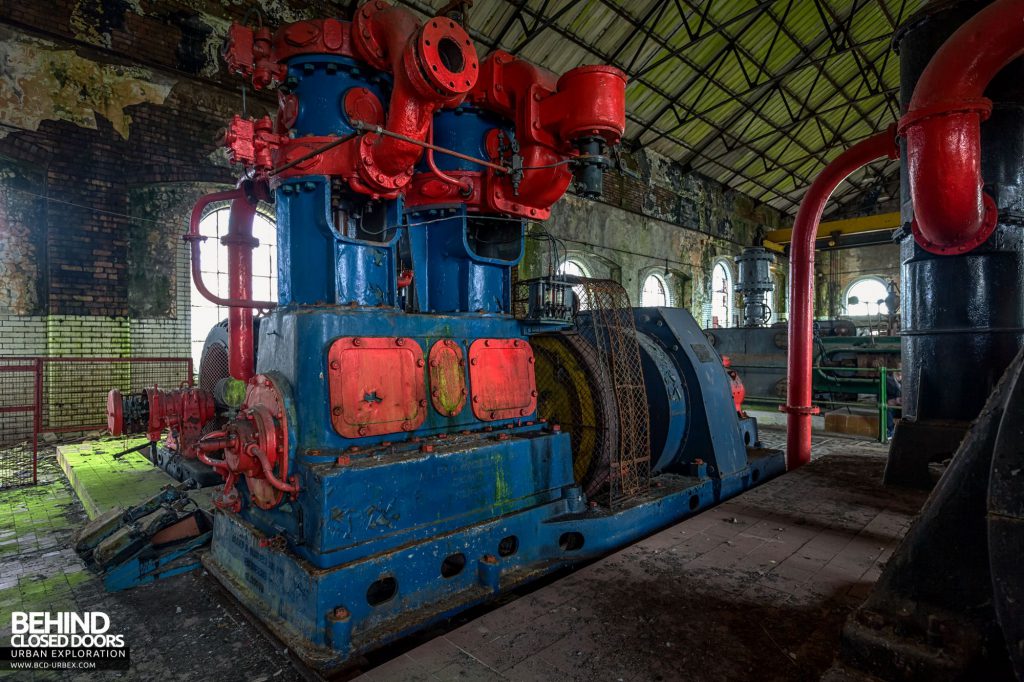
pixel 962 316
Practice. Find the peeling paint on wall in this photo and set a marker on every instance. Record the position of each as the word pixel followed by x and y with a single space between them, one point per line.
pixel 40 82
pixel 93 20
pixel 21 214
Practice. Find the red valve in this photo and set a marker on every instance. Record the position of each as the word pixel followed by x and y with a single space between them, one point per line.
pixel 255 447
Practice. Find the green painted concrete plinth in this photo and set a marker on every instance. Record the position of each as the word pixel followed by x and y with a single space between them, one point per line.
pixel 103 482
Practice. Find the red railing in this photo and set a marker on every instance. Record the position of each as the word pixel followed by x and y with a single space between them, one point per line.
pixel 40 395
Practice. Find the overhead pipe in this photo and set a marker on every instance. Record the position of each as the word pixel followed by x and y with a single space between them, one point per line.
pixel 942 127
pixel 799 396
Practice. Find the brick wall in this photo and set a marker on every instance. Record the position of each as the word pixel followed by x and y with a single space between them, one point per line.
pixel 108 132
pixel 111 115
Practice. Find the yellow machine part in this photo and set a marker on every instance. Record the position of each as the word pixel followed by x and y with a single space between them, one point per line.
pixel 575 392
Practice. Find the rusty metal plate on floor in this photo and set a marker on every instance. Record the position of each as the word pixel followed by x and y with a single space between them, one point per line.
pixel 376 386
pixel 447 377
pixel 501 379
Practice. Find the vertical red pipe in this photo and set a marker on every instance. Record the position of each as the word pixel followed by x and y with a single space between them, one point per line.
pixel 240 243
pixel 801 288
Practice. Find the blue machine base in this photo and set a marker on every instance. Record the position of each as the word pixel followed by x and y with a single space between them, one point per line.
pixel 328 616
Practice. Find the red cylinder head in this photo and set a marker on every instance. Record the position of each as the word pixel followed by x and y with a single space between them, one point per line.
pixel 598 94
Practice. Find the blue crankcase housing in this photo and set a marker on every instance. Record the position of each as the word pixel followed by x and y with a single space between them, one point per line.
pixel 400 528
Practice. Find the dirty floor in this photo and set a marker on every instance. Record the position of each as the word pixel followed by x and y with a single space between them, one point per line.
pixel 756 588
pixel 180 629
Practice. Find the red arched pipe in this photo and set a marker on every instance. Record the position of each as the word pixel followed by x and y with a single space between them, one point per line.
pixel 801 288
pixel 942 128
pixel 240 243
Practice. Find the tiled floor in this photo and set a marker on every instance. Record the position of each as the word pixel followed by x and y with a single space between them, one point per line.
pixel 756 588
pixel 178 629
pixel 104 478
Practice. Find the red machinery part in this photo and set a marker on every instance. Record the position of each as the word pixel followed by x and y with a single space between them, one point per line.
pixel 942 128
pixel 550 116
pixel 447 377
pixel 240 243
pixel 801 289
pixel 433 66
pixel 183 411
pixel 255 447
pixel 376 386
pixel 739 391
pixel 502 379
pixel 256 54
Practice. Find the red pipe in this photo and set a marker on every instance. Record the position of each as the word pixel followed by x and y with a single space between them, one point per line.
pixel 433 66
pixel 268 472
pixel 942 128
pixel 240 243
pixel 801 288
pixel 465 185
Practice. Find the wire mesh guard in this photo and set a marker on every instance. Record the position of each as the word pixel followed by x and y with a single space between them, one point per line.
pixel 19 387
pixel 591 383
pixel 608 322
pixel 67 395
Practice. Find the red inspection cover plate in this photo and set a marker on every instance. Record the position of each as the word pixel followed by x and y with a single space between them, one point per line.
pixel 447 377
pixel 377 386
pixel 501 378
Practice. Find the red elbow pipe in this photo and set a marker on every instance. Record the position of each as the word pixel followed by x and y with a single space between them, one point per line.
pixel 240 243
pixel 942 129
pixel 433 66
pixel 801 289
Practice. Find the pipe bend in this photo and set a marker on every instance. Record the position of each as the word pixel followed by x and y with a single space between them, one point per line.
pixel 951 212
pixel 942 129
pixel 799 391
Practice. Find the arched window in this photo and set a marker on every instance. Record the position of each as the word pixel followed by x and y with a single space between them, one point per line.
pixel 870 293
pixel 215 272
pixel 721 295
pixel 655 292
pixel 571 266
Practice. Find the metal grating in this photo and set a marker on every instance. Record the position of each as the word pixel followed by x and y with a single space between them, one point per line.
pixel 20 390
pixel 607 322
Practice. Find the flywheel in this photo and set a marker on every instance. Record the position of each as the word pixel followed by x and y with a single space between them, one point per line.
pixel 576 392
